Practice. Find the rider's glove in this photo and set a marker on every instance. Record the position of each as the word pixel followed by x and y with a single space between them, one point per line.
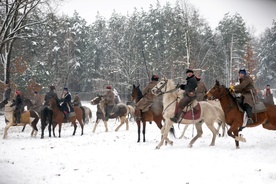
pixel 232 88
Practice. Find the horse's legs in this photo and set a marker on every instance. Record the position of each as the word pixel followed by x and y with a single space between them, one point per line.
pixel 81 125
pixel 164 137
pixel 95 126
pixel 144 131
pixel 184 130
pixel 6 130
pixel 105 124
pixel 211 126
pixel 123 119
pixel 233 132
pixel 199 131
pixel 139 129
pixel 59 129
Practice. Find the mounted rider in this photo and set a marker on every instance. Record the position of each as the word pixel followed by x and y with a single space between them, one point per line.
pixel 247 90
pixel 148 98
pixel 7 94
pixel 19 106
pixel 36 102
pixel 109 103
pixel 189 87
pixel 201 90
pixel 66 103
pixel 77 101
pixel 50 94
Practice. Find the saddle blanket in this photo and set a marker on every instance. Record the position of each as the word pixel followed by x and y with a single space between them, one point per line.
pixel 193 114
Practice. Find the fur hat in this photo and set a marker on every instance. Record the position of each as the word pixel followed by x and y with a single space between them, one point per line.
pixel 17 92
pixel 242 71
pixel 108 87
pixel 65 89
pixel 189 71
pixel 35 92
pixel 154 78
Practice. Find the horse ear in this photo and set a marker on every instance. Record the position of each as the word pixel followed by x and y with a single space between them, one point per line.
pixel 217 82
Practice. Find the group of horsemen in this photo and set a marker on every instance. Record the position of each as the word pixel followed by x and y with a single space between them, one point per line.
pixel 193 89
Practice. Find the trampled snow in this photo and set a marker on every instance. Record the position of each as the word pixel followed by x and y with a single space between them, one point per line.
pixel 116 157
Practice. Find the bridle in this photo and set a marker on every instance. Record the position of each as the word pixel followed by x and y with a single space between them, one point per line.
pixel 159 92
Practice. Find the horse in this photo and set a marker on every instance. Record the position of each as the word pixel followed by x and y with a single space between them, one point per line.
pixel 87 114
pixel 27 118
pixel 58 117
pixel 167 88
pixel 220 120
pixel 153 114
pixel 46 119
pixel 234 117
pixel 121 113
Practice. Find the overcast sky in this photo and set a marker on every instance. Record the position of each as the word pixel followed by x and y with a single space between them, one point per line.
pixel 256 13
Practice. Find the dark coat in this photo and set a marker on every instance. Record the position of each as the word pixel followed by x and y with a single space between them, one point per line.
pixel 66 102
pixel 49 95
pixel 245 87
pixel 18 103
pixel 190 86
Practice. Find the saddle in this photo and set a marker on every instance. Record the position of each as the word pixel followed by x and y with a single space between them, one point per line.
pixel 192 111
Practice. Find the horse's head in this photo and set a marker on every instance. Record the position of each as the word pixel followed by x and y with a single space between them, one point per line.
pixel 27 102
pixel 161 87
pixel 96 100
pixel 136 93
pixel 217 91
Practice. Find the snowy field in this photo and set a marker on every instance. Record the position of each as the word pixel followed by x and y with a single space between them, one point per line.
pixel 115 157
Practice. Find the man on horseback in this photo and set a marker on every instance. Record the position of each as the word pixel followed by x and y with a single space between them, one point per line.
pixel 36 102
pixel 148 98
pixel 19 107
pixel 201 90
pixel 109 97
pixel 7 94
pixel 77 100
pixel 189 86
pixel 247 89
pixel 50 94
pixel 66 103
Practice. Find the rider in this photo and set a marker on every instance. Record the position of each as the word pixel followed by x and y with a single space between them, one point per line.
pixel 109 101
pixel 189 86
pixel 19 107
pixel 36 102
pixel 201 90
pixel 65 103
pixel 268 96
pixel 50 94
pixel 6 95
pixel 148 98
pixel 77 100
pixel 247 89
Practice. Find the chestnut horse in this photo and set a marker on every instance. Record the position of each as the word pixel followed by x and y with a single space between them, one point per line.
pixel 59 118
pixel 121 113
pixel 167 88
pixel 153 114
pixel 27 118
pixel 234 117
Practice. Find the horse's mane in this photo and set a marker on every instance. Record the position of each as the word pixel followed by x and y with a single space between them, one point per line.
pixel 228 91
pixel 140 94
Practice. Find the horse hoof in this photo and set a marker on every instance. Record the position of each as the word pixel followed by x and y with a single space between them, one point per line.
pixel 190 146
pixel 157 147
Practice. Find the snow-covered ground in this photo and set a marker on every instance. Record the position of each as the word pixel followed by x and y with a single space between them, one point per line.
pixel 116 157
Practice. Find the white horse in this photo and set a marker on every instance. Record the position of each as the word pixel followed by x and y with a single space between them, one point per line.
pixel 27 117
pixel 166 87
pixel 220 119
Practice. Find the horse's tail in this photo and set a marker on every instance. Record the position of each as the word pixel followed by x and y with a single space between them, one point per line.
pixel 34 115
pixel 83 113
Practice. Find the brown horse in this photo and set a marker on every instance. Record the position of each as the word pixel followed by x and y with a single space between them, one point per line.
pixel 121 113
pixel 59 118
pixel 234 117
pixel 153 114
pixel 27 118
